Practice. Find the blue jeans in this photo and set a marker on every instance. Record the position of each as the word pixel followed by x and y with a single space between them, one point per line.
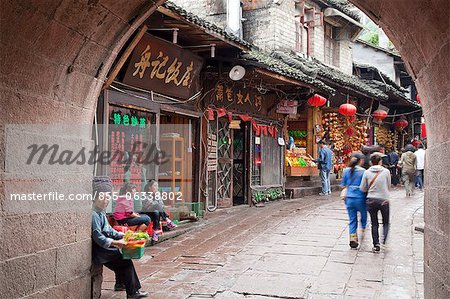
pixel 419 178
pixel 355 205
pixel 325 177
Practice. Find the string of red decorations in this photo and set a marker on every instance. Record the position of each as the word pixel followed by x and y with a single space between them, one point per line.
pixel 258 129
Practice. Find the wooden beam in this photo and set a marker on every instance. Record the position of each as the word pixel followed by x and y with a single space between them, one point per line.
pixel 125 56
pixel 171 14
pixel 284 79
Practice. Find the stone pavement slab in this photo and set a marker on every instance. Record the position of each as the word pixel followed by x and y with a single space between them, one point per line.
pixel 288 249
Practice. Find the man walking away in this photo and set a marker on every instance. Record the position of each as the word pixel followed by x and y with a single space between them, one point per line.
pixel 420 157
pixel 408 165
pixel 376 182
pixel 325 165
pixel 393 162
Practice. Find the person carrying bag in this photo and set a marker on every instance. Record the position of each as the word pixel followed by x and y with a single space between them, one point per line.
pixel 376 182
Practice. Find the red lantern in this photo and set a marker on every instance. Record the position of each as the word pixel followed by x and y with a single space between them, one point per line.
pixel 379 115
pixel 424 130
pixel 401 124
pixel 347 109
pixel 317 100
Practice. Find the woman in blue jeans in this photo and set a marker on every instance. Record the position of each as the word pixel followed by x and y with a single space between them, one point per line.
pixel 355 199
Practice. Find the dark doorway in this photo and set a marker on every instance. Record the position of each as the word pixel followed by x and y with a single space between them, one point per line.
pixel 240 144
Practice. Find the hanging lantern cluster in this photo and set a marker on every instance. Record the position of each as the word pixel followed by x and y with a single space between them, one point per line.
pixel 317 101
pixel 401 124
pixel 379 115
pixel 347 109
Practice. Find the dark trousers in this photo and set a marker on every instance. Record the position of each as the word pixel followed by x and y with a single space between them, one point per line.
pixel 125 274
pixel 394 175
pixel 373 206
pixel 142 219
pixel 156 217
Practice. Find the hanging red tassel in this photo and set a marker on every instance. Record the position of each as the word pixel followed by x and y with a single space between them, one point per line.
pixel 221 112
pixel 254 127
pixel 264 130
pixel 258 130
pixel 210 114
pixel 230 116
pixel 270 128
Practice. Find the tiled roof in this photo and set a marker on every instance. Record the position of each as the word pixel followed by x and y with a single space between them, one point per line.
pixel 280 67
pixel 343 6
pixel 335 77
pixel 208 26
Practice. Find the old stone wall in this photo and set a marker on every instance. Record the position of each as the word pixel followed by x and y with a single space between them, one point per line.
pixel 425 48
pixel 55 56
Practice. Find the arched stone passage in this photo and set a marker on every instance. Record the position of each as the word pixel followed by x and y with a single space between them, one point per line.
pixel 420 29
pixel 54 58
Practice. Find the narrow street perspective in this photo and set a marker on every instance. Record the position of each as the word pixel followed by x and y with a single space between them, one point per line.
pixel 224 149
pixel 290 249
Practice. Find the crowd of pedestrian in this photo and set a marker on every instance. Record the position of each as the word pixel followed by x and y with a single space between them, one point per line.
pixel 366 184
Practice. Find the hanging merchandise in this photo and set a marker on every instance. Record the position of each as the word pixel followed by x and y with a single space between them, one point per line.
pixel 385 136
pixel 317 101
pixel 379 115
pixel 347 109
pixel 344 133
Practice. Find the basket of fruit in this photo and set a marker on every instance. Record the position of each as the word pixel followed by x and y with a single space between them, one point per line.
pixel 135 244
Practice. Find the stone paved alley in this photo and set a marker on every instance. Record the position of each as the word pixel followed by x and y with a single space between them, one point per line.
pixel 288 249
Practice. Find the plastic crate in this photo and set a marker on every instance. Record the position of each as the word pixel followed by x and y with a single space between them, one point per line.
pixel 132 252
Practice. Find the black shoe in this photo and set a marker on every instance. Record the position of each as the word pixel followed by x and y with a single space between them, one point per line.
pixel 376 248
pixel 138 294
pixel 354 244
pixel 118 287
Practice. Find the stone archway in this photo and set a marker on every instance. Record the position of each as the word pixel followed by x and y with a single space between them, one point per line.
pixel 420 29
pixel 55 56
pixel 54 59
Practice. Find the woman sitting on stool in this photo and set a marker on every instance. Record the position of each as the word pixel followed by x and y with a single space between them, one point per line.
pixel 154 206
pixel 124 211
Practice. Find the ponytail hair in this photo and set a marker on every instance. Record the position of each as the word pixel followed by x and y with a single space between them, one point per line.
pixel 354 161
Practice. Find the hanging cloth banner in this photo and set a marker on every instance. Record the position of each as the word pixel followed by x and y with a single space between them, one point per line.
pixel 244 117
pixel 221 112
pixel 230 117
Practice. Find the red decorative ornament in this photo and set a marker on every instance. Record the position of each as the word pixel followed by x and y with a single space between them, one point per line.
pixel 347 109
pixel 401 124
pixel 270 129
pixel 317 100
pixel 349 131
pixel 424 130
pixel 351 118
pixel 418 99
pixel 210 114
pixel 230 116
pixel 379 115
pixel 347 149
pixel 221 112
pixel 244 117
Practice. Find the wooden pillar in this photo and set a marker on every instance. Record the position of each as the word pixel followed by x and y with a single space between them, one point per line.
pixel 314 118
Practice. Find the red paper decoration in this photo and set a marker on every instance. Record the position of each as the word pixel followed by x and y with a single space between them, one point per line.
pixel 418 99
pixel 347 109
pixel 317 100
pixel 230 116
pixel 401 124
pixel 221 112
pixel 349 131
pixel 210 114
pixel 244 117
pixel 379 115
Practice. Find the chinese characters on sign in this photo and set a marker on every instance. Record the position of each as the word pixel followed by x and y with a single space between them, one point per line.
pixel 226 95
pixel 163 67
